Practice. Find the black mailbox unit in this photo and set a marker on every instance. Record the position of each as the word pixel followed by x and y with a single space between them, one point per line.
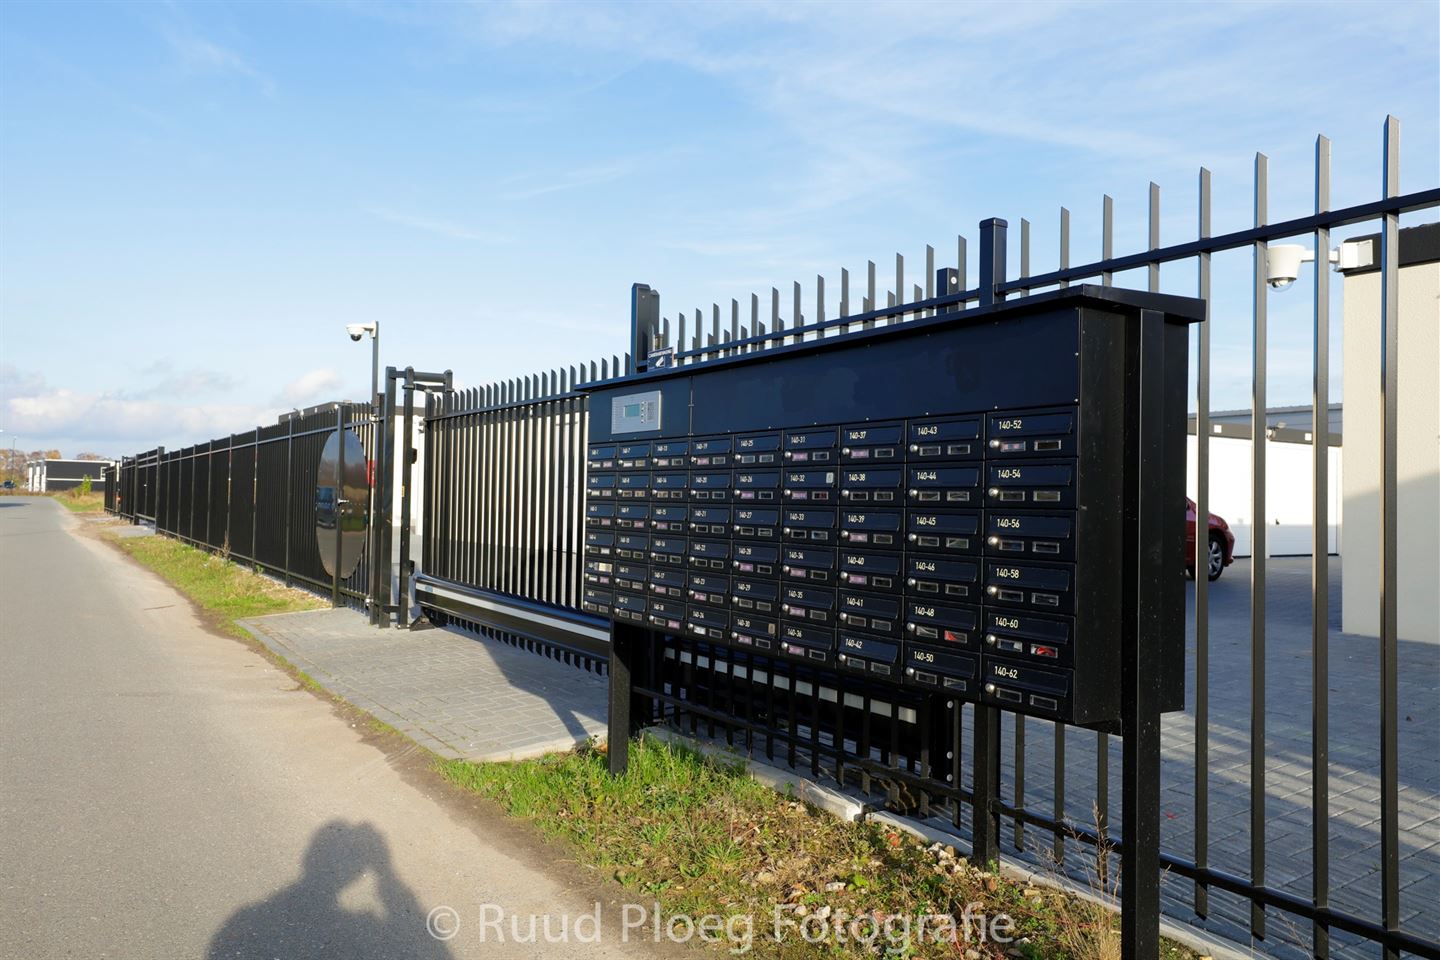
pixel 950 504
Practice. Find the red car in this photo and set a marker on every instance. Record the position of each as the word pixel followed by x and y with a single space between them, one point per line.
pixel 1220 544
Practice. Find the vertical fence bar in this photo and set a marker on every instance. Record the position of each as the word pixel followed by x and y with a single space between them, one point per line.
pixel 1064 244
pixel 1389 526
pixel 1024 262
pixel 869 294
pixel 1320 567
pixel 1202 581
pixel 1107 237
pixel 1153 268
pixel 1259 424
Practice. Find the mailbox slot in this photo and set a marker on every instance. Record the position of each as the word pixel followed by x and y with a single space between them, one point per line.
pixel 599 514
pixel 941 623
pixel 956 438
pixel 942 486
pixel 668 486
pixel 869 655
pixel 872 443
pixel 932 577
pixel 632 546
pixel 630 607
pixel 669 453
pixel 1042 587
pixel 668 550
pixel 947 669
pixel 1030 534
pixel 707 622
pixel 757 523
pixel 597 601
pixel 868 486
pixel 711 452
pixel 756 559
pixel 599 485
pixel 710 485
pixel 667 582
pixel 816 526
pixel 871 613
pixel 813 644
pixel 870 571
pixel 758 449
pixel 633 456
pixel 1030 484
pixel 714 521
pixel 811 446
pixel 755 596
pixel 631 576
pixel 1028 636
pixel 810 486
pixel 599 572
pixel 666 614
pixel 633 486
pixel 1022 686
pixel 632 516
pixel 816 564
pixel 601 457
pixel 670 518
pixel 810 604
pixel 710 588
pixel 871 527
pixel 1032 433
pixel 599 544
pixel 756 632
pixel 710 554
pixel 942 531
pixel 757 486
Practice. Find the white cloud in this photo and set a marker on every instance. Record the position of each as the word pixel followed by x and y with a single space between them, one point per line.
pixel 109 419
pixel 438 227
pixel 313 387
pixel 198 55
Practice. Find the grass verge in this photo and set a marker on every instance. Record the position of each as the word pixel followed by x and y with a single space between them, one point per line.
pixel 76 502
pixel 225 590
pixel 701 837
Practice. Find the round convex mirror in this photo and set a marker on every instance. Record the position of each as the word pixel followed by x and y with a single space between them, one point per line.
pixel 341 498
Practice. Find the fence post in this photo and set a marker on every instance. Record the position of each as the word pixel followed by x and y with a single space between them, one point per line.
pixel 644 321
pixel 255 498
pixel 339 501
pixel 386 526
pixel 1141 667
pixel 289 491
pixel 992 260
pixel 625 644
pixel 402 593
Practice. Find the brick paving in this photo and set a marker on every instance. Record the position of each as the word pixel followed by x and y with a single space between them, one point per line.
pixel 1354 822
pixel 459 696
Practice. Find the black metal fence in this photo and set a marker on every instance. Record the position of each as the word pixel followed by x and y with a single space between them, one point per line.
pixel 504 515
pixel 250 497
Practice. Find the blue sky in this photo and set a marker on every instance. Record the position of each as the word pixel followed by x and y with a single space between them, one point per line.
pixel 195 198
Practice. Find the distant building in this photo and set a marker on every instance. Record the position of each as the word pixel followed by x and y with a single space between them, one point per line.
pixel 47 476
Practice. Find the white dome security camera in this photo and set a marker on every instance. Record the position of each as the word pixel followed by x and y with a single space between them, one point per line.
pixel 1282 264
pixel 357 330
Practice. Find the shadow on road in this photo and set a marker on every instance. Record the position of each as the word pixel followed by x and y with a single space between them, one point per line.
pixel 308 920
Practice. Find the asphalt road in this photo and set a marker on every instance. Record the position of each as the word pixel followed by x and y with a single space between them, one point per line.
pixel 167 793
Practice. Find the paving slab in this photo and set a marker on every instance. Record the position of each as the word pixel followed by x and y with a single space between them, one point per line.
pixel 462 697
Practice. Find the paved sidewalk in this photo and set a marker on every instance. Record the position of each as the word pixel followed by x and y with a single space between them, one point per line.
pixel 462 697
